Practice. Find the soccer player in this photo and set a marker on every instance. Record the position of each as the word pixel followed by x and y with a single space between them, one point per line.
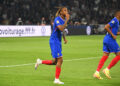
pixel 109 46
pixel 60 24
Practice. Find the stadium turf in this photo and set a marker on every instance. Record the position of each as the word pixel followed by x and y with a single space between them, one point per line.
pixel 81 56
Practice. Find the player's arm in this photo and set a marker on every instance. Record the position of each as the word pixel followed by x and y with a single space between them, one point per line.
pixel 118 33
pixel 64 38
pixel 62 27
pixel 108 30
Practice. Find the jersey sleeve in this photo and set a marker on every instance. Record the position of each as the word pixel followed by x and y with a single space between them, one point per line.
pixel 112 23
pixel 57 22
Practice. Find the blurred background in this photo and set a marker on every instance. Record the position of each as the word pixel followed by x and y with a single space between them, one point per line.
pixel 94 13
pixel 25 29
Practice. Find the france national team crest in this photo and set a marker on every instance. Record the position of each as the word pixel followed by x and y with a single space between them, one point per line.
pixel 113 21
pixel 58 22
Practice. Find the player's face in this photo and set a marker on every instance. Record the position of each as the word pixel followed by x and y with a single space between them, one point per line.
pixel 64 11
pixel 118 15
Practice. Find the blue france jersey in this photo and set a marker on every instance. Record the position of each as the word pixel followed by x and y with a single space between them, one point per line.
pixel 114 26
pixel 57 34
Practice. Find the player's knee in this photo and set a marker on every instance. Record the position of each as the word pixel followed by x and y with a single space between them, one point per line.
pixel 55 62
pixel 62 61
pixel 118 54
pixel 106 54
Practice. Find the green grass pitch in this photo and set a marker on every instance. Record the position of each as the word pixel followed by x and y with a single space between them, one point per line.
pixel 87 50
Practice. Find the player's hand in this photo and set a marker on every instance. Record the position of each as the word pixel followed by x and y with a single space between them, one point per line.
pixel 114 37
pixel 65 41
pixel 67 16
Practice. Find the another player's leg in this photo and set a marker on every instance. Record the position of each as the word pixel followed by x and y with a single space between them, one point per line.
pixel 114 48
pixel 47 62
pixel 100 65
pixel 112 63
pixel 58 70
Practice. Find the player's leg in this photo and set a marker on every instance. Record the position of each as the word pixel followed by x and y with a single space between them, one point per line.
pixel 47 62
pixel 114 61
pixel 115 48
pixel 100 65
pixel 58 67
pixel 102 61
pixel 58 70
pixel 59 58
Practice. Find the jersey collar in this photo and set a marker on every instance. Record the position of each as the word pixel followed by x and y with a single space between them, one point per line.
pixel 62 19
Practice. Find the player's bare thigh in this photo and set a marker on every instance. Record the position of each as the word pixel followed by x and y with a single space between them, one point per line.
pixel 106 54
pixel 118 54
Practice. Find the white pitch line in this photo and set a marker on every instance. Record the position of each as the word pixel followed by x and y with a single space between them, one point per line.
pixel 34 63
pixel 81 59
pixel 18 65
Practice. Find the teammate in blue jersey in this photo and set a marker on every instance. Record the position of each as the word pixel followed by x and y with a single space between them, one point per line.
pixel 110 46
pixel 60 23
